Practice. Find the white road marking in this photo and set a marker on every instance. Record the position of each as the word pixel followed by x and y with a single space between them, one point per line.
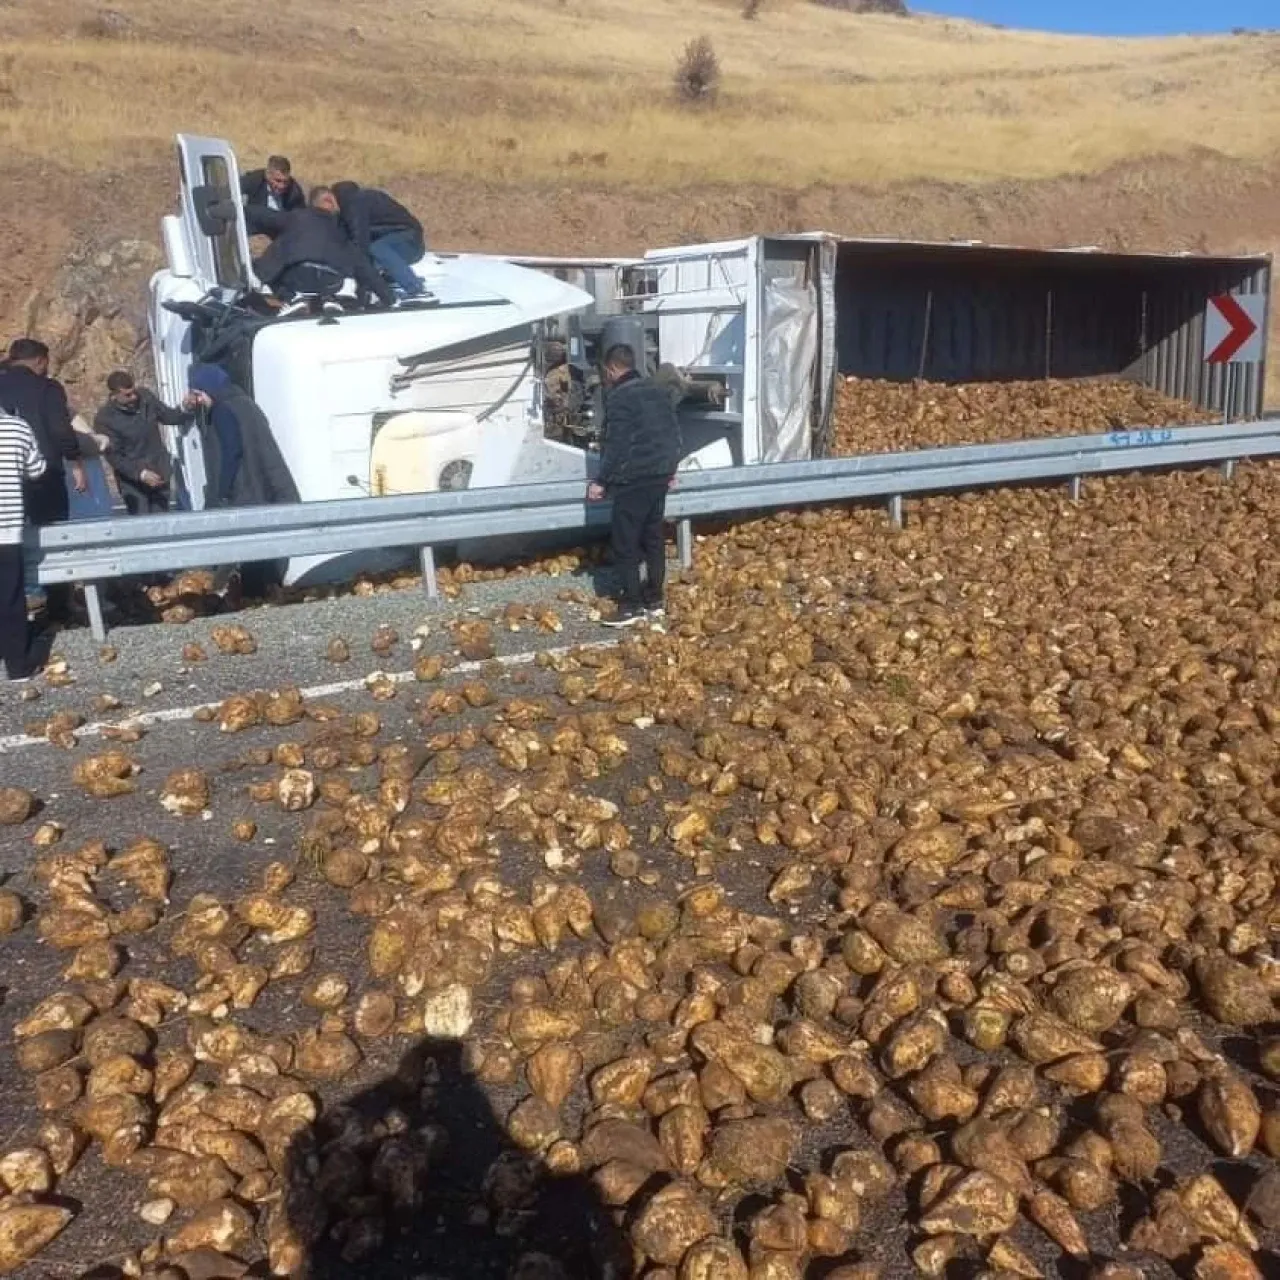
pixel 170 715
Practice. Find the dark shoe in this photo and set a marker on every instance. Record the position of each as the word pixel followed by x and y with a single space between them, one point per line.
pixel 627 616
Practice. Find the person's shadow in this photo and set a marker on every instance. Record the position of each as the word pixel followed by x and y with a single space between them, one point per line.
pixel 415 1178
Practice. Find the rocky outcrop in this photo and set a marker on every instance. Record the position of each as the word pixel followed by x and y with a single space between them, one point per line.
pixel 93 314
pixel 897 7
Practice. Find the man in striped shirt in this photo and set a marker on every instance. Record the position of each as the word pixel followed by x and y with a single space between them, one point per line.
pixel 20 461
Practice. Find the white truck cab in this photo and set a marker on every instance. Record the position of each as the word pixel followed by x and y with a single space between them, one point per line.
pixel 496 381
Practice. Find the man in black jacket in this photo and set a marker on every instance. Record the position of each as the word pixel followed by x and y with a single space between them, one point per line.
pixel 311 238
pixel 27 392
pixel 131 421
pixel 642 448
pixel 269 194
pixel 381 227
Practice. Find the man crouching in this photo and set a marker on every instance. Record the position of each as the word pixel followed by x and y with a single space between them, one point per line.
pixel 638 460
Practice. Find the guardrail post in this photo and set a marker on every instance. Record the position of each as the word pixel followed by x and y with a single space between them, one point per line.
pixel 895 511
pixel 93 602
pixel 429 573
pixel 1228 469
pixel 1077 488
pixel 684 543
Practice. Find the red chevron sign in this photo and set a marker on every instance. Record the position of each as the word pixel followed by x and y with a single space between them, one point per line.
pixel 1233 328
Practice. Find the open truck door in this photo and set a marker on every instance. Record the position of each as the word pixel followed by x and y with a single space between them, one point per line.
pixel 206 246
pixel 212 214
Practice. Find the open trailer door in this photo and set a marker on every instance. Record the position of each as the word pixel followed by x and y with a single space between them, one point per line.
pixel 212 214
pixel 797 365
pixel 759 313
pixel 707 306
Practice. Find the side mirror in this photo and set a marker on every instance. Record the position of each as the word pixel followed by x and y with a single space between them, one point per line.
pixel 215 209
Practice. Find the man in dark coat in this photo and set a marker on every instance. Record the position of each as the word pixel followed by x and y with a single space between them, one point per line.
pixel 268 194
pixel 131 421
pixel 256 474
pixel 27 392
pixel 381 227
pixel 259 475
pixel 311 238
pixel 642 448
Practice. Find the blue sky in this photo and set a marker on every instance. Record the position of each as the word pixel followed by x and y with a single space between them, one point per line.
pixel 1113 17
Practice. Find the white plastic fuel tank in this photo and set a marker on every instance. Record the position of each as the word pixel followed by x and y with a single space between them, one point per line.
pixel 423 450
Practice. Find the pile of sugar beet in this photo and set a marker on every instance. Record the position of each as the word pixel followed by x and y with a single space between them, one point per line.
pixel 907 907
pixel 874 416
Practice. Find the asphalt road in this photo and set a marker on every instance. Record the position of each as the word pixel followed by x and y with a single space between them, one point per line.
pixel 151 680
pixel 143 665
pixel 205 858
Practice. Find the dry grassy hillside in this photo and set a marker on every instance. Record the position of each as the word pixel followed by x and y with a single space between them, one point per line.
pixel 525 88
pixel 551 124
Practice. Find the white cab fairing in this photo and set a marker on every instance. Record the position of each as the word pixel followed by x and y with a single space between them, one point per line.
pixel 352 416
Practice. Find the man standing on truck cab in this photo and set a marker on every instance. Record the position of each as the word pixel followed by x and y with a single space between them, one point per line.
pixel 268 194
pixel 381 227
pixel 131 421
pixel 638 460
pixel 27 392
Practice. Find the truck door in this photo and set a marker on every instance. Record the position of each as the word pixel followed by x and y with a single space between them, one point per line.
pixel 796 278
pixel 213 215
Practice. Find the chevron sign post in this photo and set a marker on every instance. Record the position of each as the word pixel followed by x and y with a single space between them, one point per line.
pixel 1233 324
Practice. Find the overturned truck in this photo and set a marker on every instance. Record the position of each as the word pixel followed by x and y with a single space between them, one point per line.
pixel 496 380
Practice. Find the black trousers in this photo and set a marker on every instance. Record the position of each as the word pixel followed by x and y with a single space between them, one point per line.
pixel 49 503
pixel 141 501
pixel 316 279
pixel 13 611
pixel 639 511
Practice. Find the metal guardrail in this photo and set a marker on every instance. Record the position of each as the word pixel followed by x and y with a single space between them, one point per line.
pixel 94 551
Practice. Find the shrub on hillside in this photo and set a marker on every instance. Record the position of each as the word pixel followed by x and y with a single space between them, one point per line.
pixel 698 73
pixel 106 24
